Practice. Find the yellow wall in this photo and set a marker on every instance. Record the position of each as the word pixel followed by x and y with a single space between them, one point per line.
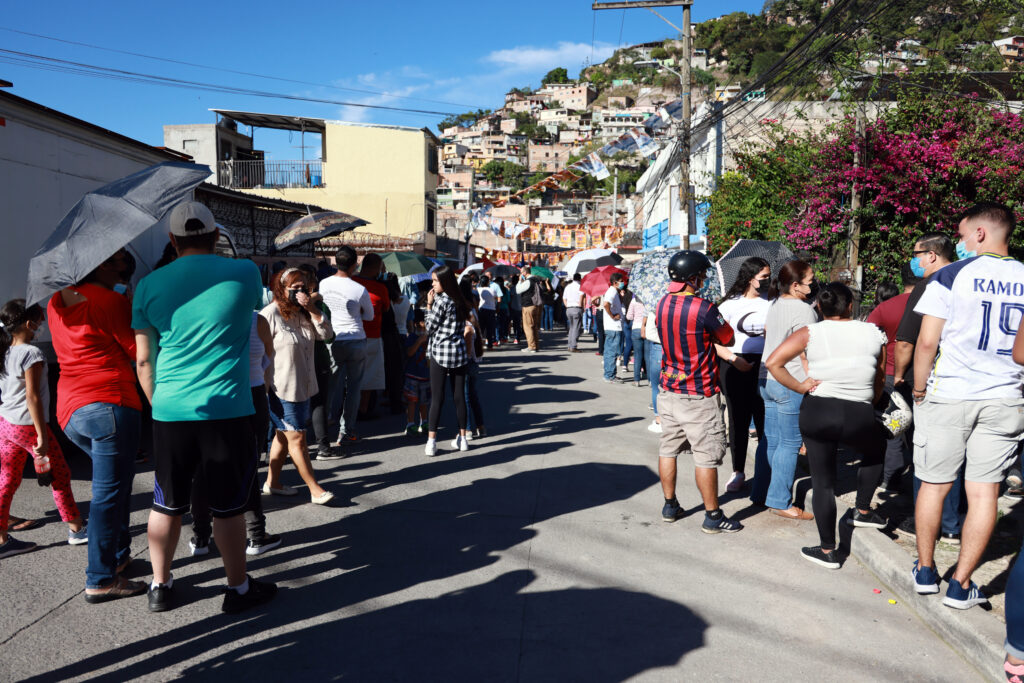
pixel 365 165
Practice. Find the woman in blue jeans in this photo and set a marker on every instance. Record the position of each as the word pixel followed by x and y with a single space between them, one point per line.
pixel 652 359
pixel 788 313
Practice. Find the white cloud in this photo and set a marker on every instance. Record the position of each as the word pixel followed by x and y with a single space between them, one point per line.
pixel 529 58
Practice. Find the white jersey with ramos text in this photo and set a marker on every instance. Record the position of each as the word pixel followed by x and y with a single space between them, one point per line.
pixel 982 301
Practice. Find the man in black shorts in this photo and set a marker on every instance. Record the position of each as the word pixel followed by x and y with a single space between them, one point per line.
pixel 198 312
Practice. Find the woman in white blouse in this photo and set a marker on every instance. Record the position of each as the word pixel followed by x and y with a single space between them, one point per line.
pixel 845 377
pixel 296 324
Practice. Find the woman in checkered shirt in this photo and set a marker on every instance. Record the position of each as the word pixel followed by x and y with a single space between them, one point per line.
pixel 447 312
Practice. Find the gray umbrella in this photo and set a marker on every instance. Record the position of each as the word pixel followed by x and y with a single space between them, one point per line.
pixel 106 220
pixel 775 253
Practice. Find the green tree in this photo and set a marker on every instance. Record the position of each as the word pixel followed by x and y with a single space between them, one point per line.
pixel 466 119
pixel 504 173
pixel 557 75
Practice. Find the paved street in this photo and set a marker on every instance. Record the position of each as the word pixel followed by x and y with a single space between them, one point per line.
pixel 539 555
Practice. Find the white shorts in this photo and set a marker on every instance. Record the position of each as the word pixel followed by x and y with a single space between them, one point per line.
pixel 373 370
pixel 984 433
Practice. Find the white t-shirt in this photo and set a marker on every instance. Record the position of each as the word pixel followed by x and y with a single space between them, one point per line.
pixel 401 310
pixel 572 295
pixel 611 297
pixel 350 306
pixel 843 356
pixel 747 317
pixel 651 327
pixel 14 408
pixel 982 301
pixel 487 300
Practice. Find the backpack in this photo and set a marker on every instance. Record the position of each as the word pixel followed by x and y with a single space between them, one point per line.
pixel 535 294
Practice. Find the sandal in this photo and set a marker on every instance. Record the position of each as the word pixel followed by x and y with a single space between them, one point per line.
pixel 119 588
pixel 21 524
pixel 793 513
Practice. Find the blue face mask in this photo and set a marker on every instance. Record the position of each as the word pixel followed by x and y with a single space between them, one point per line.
pixel 121 288
pixel 962 252
pixel 915 267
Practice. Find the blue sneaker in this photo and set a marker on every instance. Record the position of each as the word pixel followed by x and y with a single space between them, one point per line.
pixel 80 537
pixel 717 526
pixel 959 597
pixel 671 511
pixel 15 547
pixel 926 579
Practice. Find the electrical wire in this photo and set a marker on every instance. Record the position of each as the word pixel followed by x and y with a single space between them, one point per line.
pixel 233 71
pixel 44 63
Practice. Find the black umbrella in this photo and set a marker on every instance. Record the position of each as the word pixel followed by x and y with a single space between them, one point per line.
pixel 775 253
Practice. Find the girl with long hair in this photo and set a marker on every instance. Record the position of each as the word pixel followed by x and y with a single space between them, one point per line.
pixel 296 324
pixel 447 313
pixel 739 366
pixel 24 414
pixel 475 414
pixel 790 312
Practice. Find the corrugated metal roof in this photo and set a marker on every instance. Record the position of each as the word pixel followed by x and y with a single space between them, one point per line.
pixel 278 121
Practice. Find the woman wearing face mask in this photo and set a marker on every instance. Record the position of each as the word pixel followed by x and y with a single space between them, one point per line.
pixel 790 312
pixel 99 409
pixel 739 365
pixel 296 324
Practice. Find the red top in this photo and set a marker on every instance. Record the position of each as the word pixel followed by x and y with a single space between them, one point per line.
pixel 887 316
pixel 95 347
pixel 689 328
pixel 381 301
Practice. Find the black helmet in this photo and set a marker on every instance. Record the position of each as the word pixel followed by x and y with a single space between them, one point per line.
pixel 686 265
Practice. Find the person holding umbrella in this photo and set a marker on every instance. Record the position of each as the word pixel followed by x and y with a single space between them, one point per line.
pixel 689 407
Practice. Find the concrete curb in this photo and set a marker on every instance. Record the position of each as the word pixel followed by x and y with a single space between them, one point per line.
pixel 976 635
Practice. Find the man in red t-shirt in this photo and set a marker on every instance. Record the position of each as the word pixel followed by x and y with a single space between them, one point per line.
pixel 373 372
pixel 887 316
pixel 689 406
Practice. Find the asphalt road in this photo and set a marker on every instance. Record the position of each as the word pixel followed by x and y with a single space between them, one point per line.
pixel 539 555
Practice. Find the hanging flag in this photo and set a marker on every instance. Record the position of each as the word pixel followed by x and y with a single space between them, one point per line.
pixel 596 236
pixel 566 239
pixel 644 142
pixel 593 165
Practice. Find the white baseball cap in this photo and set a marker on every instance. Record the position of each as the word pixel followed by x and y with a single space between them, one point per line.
pixel 191 218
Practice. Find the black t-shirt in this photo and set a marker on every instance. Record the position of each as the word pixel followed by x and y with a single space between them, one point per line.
pixel 910 324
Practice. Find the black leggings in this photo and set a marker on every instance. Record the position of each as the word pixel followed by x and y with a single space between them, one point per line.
pixel 438 373
pixel 743 399
pixel 825 423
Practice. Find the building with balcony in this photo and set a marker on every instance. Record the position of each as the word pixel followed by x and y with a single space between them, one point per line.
pixel 570 95
pixel 1011 49
pixel 386 175
pixel 547 156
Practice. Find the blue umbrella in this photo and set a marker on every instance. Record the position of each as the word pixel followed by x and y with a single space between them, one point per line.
pixel 106 220
pixel 648 279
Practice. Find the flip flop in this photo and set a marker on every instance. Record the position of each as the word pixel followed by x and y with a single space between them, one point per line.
pixel 20 524
pixel 801 515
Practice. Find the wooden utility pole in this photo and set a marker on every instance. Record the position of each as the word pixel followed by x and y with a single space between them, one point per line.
pixel 684 85
pixel 853 253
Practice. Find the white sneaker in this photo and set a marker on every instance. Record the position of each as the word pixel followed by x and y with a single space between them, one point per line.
pixel 431 448
pixel 469 436
pixel 526 350
pixel 655 427
pixel 459 443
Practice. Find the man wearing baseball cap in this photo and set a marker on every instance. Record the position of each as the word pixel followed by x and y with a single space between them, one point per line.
pixel 689 405
pixel 197 311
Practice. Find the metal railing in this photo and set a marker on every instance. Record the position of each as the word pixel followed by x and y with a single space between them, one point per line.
pixel 257 174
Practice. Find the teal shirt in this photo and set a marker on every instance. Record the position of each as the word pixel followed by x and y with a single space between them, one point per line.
pixel 201 307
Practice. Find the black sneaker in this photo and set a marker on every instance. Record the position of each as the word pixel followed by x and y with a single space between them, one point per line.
pixel 952 539
pixel 328 453
pixel 259 592
pixel 717 526
pixel 161 598
pixel 908 527
pixel 199 546
pixel 872 520
pixel 829 560
pixel 671 511
pixel 261 544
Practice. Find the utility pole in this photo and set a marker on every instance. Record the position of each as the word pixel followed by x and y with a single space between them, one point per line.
pixel 684 85
pixel 853 253
pixel 615 196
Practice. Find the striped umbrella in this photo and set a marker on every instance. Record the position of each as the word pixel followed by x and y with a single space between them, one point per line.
pixel 316 226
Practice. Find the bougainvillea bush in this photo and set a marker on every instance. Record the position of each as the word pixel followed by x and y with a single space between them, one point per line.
pixel 921 164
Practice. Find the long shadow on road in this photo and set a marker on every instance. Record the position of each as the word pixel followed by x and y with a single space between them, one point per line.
pixel 396 547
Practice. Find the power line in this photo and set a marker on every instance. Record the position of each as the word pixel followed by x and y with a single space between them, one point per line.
pixel 44 63
pixel 230 71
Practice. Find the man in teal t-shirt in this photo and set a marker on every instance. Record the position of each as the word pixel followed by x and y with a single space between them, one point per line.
pixel 192 320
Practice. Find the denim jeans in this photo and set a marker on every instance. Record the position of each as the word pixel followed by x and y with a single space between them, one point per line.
pixel 612 348
pixel 347 381
pixel 474 413
pixel 627 341
pixel 109 434
pixel 782 429
pixel 547 318
pixel 954 507
pixel 1015 609
pixel 639 356
pixel 653 360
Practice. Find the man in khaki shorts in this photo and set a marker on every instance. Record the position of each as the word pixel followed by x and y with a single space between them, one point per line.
pixel 689 405
pixel 967 391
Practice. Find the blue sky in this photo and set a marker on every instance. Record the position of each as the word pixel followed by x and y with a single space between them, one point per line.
pixel 446 57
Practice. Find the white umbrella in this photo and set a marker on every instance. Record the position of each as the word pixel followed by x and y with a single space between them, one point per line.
pixel 587 260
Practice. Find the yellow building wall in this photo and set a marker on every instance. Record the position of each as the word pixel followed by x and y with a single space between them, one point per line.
pixel 364 169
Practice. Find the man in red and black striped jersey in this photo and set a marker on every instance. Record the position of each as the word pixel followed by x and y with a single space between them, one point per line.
pixel 690 410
